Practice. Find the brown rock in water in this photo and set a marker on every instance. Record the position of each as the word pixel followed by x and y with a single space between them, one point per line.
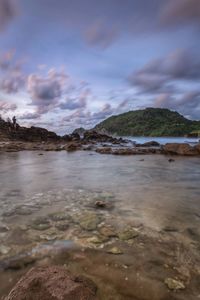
pixel 53 283
pixel 72 146
pixel 180 149
pixel 100 204
pixel 197 147
pixel 104 150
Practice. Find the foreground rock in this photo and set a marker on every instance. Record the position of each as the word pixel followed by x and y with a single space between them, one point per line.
pixel 181 149
pixel 52 283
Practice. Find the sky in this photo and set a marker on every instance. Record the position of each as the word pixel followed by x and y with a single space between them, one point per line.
pixel 66 64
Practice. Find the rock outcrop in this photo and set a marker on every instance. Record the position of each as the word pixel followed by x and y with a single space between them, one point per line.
pixel 53 283
pixel 95 136
pixel 32 134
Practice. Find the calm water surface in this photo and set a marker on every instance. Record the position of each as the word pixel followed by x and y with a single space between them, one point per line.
pixel 157 190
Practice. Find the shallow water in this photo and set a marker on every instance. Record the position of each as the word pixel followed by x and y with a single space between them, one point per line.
pixel 147 192
pixel 163 140
pixel 149 186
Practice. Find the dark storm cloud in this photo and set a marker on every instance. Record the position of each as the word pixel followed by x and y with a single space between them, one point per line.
pixel 46 92
pixel 7 12
pixel 157 75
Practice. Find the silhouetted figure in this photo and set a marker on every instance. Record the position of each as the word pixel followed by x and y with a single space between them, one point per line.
pixel 14 122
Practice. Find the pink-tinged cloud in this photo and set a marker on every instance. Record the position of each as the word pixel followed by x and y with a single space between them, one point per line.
pixel 6 106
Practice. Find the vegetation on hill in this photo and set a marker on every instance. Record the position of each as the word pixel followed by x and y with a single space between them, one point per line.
pixel 149 122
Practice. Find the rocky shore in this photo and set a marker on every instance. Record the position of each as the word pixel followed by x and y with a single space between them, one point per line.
pixel 35 138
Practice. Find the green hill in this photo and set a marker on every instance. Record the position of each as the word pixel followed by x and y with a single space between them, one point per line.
pixel 149 122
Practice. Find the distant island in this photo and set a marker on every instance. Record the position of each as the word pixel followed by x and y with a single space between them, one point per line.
pixel 150 122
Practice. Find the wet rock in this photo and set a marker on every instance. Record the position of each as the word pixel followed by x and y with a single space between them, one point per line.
pixel 180 149
pixel 4 250
pixel 58 216
pixel 53 283
pixel 174 284
pixel 62 226
pixel 194 233
pixel 100 204
pixel 115 251
pixel 128 234
pixel 170 229
pixel 108 231
pixel 23 211
pixel 3 228
pixel 93 135
pixel 149 144
pixel 197 147
pixel 88 221
pixel 104 150
pixel 41 223
pixel 171 160
pixel 97 240
pixel 72 146
pixel 48 237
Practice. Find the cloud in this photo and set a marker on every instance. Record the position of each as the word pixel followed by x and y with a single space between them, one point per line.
pixel 12 82
pixel 7 12
pixel 157 75
pixel 188 103
pixel 46 92
pixel 100 35
pixel 80 101
pixel 178 12
pixel 12 77
pixel 29 116
pixel 6 106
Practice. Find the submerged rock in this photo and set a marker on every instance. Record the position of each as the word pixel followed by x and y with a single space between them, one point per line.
pixel 115 251
pixel 4 250
pixel 174 284
pixel 88 221
pixel 53 283
pixel 58 216
pixel 108 231
pixel 128 234
pixel 41 223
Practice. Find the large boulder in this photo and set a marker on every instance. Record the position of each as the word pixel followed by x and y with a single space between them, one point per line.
pixel 180 149
pixel 53 283
pixel 95 136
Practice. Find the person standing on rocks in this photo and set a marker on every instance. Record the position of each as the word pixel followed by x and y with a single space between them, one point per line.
pixel 14 122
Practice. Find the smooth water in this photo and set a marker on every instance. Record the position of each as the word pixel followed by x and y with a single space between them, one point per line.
pixel 160 191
